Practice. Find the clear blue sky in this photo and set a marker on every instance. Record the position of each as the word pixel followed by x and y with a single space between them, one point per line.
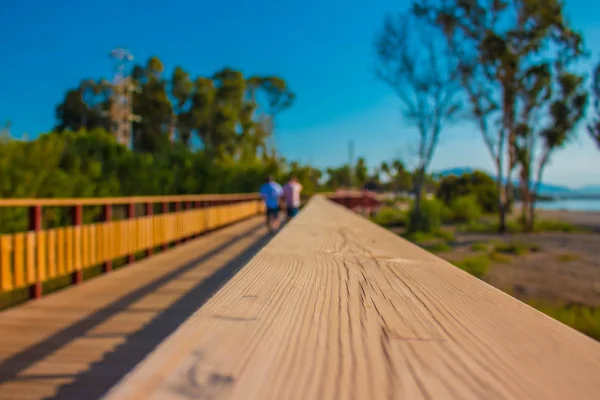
pixel 323 48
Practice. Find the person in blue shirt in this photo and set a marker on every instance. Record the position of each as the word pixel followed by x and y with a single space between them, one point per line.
pixel 271 192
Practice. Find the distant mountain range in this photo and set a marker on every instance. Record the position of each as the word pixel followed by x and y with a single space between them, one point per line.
pixel 547 189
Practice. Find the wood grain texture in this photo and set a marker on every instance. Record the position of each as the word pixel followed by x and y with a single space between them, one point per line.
pixel 78 343
pixel 338 308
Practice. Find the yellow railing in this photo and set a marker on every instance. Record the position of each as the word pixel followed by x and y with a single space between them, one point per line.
pixel 28 259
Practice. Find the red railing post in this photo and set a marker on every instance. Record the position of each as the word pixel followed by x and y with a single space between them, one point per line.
pixel 77 218
pixel 35 224
pixel 131 215
pixel 165 210
pixel 149 212
pixel 107 217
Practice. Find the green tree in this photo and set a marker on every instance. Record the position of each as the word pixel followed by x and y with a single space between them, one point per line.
pixel 566 107
pixel 501 48
pixel 339 177
pixel 414 60
pixel 361 172
pixel 152 104
pixel 477 184
pixel 594 125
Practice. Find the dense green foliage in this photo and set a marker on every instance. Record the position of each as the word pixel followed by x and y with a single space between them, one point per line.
pixel 584 319
pixel 390 217
pixel 477 184
pixel 427 218
pixel 475 265
pixel 465 209
pixel 93 164
pixel 594 125
pixel 227 114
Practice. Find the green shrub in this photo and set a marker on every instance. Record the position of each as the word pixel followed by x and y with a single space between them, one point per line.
pixel 426 220
pixel 584 319
pixel 476 265
pixel 465 209
pixel 479 246
pixel 554 226
pixel 567 257
pixel 516 248
pixel 488 227
pixel 444 234
pixel 418 237
pixel 499 258
pixel 389 217
pixel 477 184
pixel 439 247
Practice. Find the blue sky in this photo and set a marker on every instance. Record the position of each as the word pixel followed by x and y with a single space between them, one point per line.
pixel 323 48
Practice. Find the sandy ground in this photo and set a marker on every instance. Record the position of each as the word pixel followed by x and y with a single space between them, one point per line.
pixel 585 219
pixel 566 269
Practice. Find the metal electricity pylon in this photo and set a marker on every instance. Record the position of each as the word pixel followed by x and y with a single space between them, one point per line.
pixel 121 106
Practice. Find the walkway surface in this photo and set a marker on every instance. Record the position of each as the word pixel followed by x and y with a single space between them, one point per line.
pixel 78 343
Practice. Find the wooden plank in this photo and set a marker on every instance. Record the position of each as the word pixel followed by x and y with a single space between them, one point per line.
pixel 93 244
pixel 19 260
pixel 41 256
pixel 85 246
pixel 336 307
pixel 60 251
pixel 51 237
pixel 70 253
pixel 6 273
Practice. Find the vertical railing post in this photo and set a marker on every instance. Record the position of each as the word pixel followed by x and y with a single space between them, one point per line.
pixel 77 218
pixel 149 212
pixel 187 206
pixel 177 209
pixel 35 225
pixel 165 210
pixel 106 218
pixel 130 213
pixel 197 206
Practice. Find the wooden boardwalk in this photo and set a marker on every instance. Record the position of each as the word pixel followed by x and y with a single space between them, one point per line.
pixel 335 307
pixel 78 343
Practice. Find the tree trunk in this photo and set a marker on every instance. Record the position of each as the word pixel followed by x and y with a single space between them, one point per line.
pixel 416 217
pixel 502 209
pixel 531 212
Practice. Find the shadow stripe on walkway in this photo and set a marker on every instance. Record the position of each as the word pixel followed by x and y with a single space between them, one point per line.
pixel 79 342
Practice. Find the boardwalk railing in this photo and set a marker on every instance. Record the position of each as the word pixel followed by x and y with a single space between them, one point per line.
pixel 335 307
pixel 363 202
pixel 30 259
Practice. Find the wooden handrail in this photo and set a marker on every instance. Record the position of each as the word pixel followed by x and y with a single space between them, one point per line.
pixel 336 307
pixel 29 202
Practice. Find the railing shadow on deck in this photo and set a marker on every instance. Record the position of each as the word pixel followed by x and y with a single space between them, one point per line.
pixel 137 345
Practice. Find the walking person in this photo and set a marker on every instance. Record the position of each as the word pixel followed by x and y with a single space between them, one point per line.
pixel 271 192
pixel 291 194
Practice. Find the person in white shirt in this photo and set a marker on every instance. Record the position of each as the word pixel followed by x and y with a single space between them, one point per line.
pixel 291 194
pixel 271 192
